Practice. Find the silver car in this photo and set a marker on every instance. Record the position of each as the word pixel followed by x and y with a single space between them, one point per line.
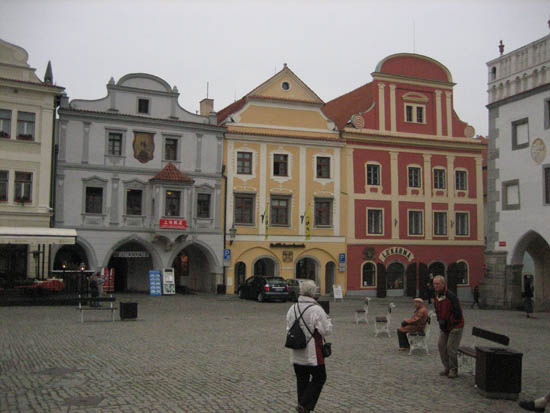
pixel 294 288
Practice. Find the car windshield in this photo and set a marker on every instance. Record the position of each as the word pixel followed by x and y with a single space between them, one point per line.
pixel 275 280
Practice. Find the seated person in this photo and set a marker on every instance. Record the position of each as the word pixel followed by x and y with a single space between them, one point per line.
pixel 416 323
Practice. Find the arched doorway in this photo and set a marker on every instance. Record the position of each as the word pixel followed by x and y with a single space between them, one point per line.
pixel 71 256
pixel 264 266
pixel 437 268
pixel 395 282
pixel 192 270
pixel 131 263
pixel 240 275
pixel 330 277
pixel 307 268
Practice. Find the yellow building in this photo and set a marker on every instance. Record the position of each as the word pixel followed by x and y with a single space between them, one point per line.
pixel 283 165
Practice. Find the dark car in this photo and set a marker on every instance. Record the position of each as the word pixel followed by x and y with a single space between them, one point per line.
pixel 264 288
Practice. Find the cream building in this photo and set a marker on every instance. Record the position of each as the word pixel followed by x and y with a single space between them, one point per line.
pixel 284 194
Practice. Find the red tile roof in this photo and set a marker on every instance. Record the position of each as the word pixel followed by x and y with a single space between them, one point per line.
pixel 232 108
pixel 171 174
pixel 342 108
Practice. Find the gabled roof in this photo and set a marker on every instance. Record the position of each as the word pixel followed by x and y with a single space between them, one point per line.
pixel 341 109
pixel 172 174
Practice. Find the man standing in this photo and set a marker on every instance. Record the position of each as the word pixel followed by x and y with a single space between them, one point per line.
pixel 451 324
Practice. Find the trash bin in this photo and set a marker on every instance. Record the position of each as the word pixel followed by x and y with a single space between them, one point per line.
pixel 498 372
pixel 325 304
pixel 128 311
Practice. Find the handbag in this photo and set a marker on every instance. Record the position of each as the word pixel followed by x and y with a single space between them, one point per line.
pixel 326 349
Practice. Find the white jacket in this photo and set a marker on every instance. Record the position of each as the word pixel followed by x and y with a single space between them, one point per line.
pixel 316 318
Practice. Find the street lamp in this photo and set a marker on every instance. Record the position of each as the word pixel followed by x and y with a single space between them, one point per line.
pixel 232 233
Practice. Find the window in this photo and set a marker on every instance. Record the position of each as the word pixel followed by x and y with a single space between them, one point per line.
pixel 414 177
pixel 375 223
pixel 546 180
pixel 114 144
pixel 510 195
pixel 368 278
pixel 439 178
pixel 280 207
pixel 323 212
pixel 419 114
pixel 414 113
pixel 5 123
pixel 23 186
pixel 415 223
pixel 94 200
pixel 461 181
pixel 280 165
pixel 440 223
pixel 25 126
pixel 244 209
pixel 4 177
pixel 171 149
pixel 520 134
pixel 462 273
pixel 203 205
pixel 462 226
pixel 373 174
pixel 133 201
pixel 143 105
pixel 244 163
pixel 323 167
pixel 172 204
pixel 547 113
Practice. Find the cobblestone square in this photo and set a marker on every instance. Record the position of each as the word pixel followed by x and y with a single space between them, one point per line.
pixel 203 353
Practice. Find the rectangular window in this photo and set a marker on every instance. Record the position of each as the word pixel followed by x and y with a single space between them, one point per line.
pixel 520 134
pixel 172 204
pixel 409 113
pixel 143 105
pixel 244 163
pixel 373 174
pixel 440 223
pixel 133 201
pixel 4 178
pixel 439 178
pixel 419 114
pixel 5 123
pixel 114 146
pixel 323 167
pixel 323 212
pixel 94 200
pixel 171 149
pixel 510 195
pixel 280 207
pixel 244 209
pixel 461 181
pixel 280 165
pixel 203 205
pixel 547 113
pixel 25 126
pixel 375 224
pixel 414 177
pixel 415 223
pixel 23 186
pixel 414 113
pixel 546 180
pixel 462 226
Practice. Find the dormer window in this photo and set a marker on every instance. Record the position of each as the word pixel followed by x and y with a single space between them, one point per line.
pixel 414 113
pixel 143 106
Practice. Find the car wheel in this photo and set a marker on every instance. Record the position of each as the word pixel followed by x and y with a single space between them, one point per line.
pixel 260 297
pixel 241 294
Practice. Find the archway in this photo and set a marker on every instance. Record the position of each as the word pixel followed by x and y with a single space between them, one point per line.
pixel 265 266
pixel 71 256
pixel 330 277
pixel 131 262
pixel 436 268
pixel 395 279
pixel 193 271
pixel 308 268
pixel 240 275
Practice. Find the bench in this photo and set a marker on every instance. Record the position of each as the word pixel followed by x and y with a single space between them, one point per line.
pixel 418 340
pixel 84 304
pixel 468 354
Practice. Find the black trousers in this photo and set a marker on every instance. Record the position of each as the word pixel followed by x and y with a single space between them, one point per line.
pixel 309 382
pixel 403 340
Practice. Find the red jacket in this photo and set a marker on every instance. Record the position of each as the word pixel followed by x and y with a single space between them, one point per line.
pixel 449 311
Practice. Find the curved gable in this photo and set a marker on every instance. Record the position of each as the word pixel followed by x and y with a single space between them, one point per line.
pixel 144 81
pixel 414 65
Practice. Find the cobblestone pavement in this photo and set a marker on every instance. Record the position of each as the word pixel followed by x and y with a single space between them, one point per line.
pixel 199 353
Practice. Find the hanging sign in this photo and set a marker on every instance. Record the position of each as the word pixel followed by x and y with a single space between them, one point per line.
pixel 173 223
pixel 396 251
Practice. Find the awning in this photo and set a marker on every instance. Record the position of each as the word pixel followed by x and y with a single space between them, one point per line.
pixel 35 235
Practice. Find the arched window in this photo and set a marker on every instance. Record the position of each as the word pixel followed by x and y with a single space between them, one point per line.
pixel 368 276
pixel 462 273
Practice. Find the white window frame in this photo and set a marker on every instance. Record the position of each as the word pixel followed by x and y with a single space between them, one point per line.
pixel 148 105
pixel 467 215
pixel 9 124
pixel 330 165
pixel 178 148
pixel 446 224
pixel 467 271
pixel 465 189
pixel 26 125
pixel 289 158
pixel 375 275
pixel 180 202
pixel 381 223
pixel 421 212
pixel 409 167
pixel 331 210
pixel 94 182
pixel 26 188
pixel 437 169
pixel 379 166
pixel 108 131
pixel 414 108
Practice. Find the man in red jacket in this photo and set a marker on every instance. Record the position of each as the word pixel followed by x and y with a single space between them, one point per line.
pixel 451 324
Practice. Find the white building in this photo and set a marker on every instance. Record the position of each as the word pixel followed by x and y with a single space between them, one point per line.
pixel 139 178
pixel 519 175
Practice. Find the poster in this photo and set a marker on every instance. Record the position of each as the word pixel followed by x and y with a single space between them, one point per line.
pixel 154 282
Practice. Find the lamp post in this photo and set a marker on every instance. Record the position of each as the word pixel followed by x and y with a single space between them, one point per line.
pixel 81 279
pixel 232 233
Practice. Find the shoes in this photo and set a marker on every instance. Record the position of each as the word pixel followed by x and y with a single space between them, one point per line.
pixel 301 409
pixel 453 374
pixel 530 405
pixel 444 373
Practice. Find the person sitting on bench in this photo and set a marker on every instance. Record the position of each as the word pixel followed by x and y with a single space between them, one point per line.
pixel 416 323
pixel 96 286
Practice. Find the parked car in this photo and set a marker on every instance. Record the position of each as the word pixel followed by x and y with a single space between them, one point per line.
pixel 294 288
pixel 264 288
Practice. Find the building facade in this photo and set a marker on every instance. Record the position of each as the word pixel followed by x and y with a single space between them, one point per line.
pixel 284 190
pixel 27 113
pixel 414 182
pixel 139 178
pixel 519 175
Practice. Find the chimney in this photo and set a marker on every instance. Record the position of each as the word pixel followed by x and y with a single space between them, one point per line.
pixel 207 106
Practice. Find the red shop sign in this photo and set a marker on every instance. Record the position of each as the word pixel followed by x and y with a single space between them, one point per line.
pixel 502 243
pixel 173 223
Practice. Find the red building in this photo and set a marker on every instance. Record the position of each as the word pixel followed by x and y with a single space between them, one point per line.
pixel 414 181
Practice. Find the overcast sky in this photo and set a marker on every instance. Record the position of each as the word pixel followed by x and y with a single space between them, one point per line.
pixel 333 46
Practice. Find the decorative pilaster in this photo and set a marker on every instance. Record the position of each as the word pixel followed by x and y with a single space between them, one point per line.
pixel 382 107
pixel 198 153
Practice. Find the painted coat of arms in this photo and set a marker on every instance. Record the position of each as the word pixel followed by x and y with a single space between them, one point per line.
pixel 144 146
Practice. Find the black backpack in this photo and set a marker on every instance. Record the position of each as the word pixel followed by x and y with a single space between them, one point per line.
pixel 295 337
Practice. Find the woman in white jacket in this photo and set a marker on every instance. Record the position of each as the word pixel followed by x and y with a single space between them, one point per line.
pixel 309 363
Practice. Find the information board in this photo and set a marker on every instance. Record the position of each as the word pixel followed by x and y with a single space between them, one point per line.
pixel 337 291
pixel 168 281
pixel 155 285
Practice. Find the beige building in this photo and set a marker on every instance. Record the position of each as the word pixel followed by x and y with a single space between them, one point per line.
pixel 284 189
pixel 27 113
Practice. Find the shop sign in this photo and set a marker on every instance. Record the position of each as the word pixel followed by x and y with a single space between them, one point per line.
pixel 173 223
pixel 396 251
pixel 502 243
pixel 131 254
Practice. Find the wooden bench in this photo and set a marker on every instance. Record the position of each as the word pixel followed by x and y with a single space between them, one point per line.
pixel 84 304
pixel 470 351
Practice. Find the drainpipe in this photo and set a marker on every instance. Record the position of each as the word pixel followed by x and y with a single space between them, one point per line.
pixel 53 172
pixel 224 221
